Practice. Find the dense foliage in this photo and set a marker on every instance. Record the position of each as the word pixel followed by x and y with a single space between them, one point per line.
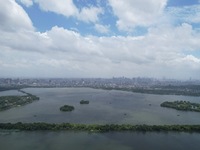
pixel 161 90
pixel 84 102
pixel 7 102
pixel 99 128
pixel 182 105
pixel 66 108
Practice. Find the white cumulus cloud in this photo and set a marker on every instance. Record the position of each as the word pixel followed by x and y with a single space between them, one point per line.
pixel 61 52
pixel 132 13
pixel 67 8
pixel 63 7
pixel 13 17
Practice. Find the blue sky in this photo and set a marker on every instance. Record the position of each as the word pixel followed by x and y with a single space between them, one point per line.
pixel 100 38
pixel 180 3
pixel 43 20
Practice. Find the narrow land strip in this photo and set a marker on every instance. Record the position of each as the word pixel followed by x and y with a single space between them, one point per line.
pixel 98 128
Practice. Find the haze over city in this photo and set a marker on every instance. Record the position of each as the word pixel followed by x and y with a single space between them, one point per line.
pixel 83 38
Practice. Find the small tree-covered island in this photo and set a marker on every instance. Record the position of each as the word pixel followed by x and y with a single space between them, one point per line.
pixel 7 102
pixel 66 108
pixel 84 102
pixel 182 105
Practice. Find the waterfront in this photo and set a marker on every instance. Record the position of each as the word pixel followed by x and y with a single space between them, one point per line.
pixel 105 107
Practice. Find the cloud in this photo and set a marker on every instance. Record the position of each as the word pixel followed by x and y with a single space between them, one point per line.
pixel 63 7
pixel 13 17
pixel 70 42
pixel 137 13
pixel 61 52
pixel 189 14
pixel 89 14
pixel 102 28
pixel 67 8
pixel 175 39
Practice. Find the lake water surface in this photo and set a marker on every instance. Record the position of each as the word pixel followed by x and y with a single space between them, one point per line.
pixel 65 140
pixel 105 107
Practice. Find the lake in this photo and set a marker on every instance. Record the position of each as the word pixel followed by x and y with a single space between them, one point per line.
pixel 105 106
pixel 66 140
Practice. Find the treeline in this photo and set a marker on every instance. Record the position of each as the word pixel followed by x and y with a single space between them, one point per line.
pixel 186 90
pixel 99 128
pixel 172 90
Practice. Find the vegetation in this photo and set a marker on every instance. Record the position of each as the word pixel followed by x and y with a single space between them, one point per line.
pixel 187 90
pixel 66 108
pixel 99 128
pixel 182 105
pixel 161 90
pixel 84 102
pixel 7 102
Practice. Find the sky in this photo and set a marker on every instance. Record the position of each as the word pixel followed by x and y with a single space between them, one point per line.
pixel 100 38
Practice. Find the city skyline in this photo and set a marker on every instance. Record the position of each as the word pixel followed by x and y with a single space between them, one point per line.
pixel 82 38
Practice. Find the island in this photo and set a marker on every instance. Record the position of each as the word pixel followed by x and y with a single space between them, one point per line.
pixel 66 108
pixel 84 102
pixel 182 105
pixel 7 102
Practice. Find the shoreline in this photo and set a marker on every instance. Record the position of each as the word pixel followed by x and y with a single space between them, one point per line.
pixel 134 90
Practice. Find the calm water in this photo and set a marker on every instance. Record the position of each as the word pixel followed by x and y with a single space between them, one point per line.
pixel 105 107
pixel 98 141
